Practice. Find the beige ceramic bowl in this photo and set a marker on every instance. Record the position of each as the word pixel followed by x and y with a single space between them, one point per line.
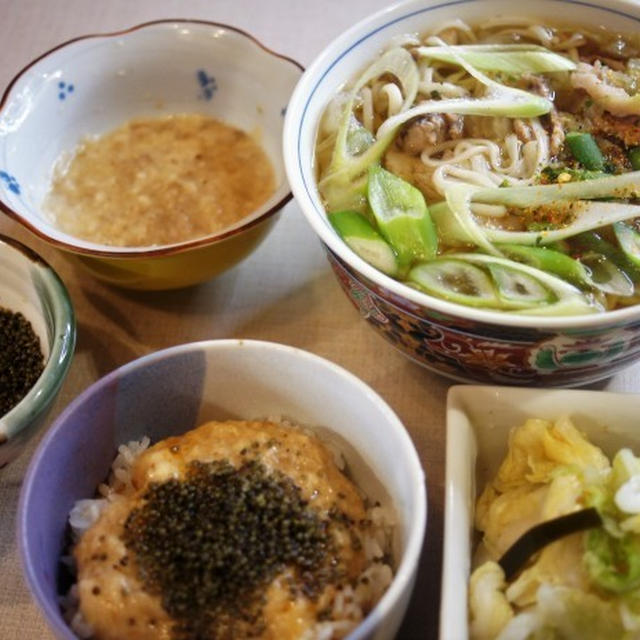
pixel 93 84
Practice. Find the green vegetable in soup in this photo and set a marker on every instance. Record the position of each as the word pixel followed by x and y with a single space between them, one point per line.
pixel 487 281
pixel 455 280
pixel 359 234
pixel 508 58
pixel 402 216
pixel 606 276
pixel 565 299
pixel 519 289
pixel 593 242
pixel 548 260
pixel 585 150
pixel 629 241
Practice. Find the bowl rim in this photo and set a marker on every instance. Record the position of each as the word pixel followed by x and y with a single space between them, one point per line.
pixel 63 325
pixel 296 119
pixel 105 251
pixel 409 563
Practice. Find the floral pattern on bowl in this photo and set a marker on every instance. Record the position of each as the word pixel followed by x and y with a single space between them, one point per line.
pixel 93 84
pixel 473 352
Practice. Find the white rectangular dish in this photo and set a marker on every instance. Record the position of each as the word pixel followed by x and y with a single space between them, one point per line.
pixel 479 419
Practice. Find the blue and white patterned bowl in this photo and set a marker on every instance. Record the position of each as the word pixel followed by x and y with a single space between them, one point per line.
pixel 172 391
pixel 93 84
pixel 467 344
pixel 28 285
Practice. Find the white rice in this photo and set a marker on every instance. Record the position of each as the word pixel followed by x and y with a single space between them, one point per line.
pixel 350 604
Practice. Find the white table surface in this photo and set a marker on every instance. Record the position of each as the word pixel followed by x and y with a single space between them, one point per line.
pixel 284 292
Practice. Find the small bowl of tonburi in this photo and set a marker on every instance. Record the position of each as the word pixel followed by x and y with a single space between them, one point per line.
pixel 474 178
pixel 38 334
pixel 173 391
pixel 152 155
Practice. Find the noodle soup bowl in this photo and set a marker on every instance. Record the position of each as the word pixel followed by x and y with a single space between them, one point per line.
pixel 94 84
pixel 177 389
pixel 464 343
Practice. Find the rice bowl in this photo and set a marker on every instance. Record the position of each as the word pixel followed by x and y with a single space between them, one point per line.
pixel 293 603
pixel 179 388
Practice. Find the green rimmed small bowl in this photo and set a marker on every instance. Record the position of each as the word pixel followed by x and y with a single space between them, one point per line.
pixel 30 286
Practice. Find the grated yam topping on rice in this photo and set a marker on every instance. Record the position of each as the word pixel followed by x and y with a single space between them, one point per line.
pixel 341 573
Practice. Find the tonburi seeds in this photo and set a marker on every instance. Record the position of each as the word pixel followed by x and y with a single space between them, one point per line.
pixel 206 544
pixel 21 359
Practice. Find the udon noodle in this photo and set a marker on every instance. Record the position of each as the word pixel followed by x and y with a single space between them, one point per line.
pixel 523 140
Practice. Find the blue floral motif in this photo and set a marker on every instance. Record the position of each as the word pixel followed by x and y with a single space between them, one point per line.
pixel 64 90
pixel 12 183
pixel 207 83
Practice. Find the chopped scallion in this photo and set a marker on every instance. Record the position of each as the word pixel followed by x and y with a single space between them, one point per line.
pixel 634 158
pixel 402 216
pixel 359 234
pixel 456 281
pixel 585 150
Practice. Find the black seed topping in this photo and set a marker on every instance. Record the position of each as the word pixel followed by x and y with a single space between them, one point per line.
pixel 21 359
pixel 209 544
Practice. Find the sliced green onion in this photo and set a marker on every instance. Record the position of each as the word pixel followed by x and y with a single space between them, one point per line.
pixel 455 280
pixel 456 223
pixel 402 216
pixel 625 185
pixel 518 289
pixel 629 240
pixel 508 58
pixel 548 260
pixel 345 167
pixel 606 276
pixel 569 299
pixel 359 234
pixel 634 158
pixel 458 226
pixel 592 242
pixel 586 216
pixel 503 103
pixel 359 138
pixel 585 150
pixel 353 152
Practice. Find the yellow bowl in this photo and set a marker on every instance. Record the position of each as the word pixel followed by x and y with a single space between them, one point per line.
pixel 176 269
pixel 91 85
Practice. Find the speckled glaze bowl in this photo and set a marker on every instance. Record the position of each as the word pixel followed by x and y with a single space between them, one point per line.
pixel 172 391
pixel 28 285
pixel 460 342
pixel 93 84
